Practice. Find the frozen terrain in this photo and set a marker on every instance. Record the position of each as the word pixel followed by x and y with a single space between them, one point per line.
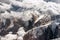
pixel 29 19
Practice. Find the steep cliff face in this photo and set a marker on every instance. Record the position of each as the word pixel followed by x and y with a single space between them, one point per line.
pixel 29 19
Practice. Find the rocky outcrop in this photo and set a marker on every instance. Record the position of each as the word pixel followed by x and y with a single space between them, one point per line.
pixel 48 32
pixel 29 19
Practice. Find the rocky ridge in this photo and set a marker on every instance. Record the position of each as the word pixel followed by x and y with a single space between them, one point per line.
pixel 29 20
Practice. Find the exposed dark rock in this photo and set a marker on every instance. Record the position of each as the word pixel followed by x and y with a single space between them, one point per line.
pixel 14 7
pixel 42 33
pixel 49 34
pixel 4 26
pixel 29 20
pixel 35 34
pixel 54 17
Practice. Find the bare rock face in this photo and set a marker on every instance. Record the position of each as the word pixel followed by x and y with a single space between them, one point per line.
pixel 43 33
pixel 29 19
pixel 34 34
